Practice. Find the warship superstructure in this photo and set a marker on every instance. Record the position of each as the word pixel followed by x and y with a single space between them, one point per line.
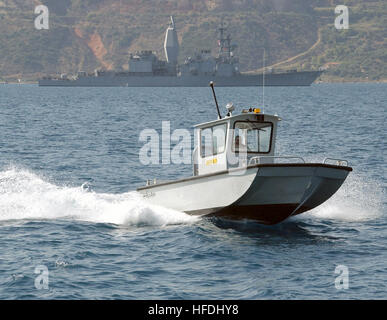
pixel 147 70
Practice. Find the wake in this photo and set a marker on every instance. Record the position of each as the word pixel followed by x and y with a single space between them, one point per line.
pixel 25 195
pixel 358 199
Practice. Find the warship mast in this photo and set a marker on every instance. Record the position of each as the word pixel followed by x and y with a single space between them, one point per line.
pixel 171 45
pixel 224 43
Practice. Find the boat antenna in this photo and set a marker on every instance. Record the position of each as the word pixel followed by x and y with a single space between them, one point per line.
pixel 216 101
pixel 263 81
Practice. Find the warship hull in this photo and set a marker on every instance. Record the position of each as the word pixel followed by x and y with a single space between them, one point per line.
pixel 305 78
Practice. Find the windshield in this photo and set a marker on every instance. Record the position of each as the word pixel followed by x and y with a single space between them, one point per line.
pixel 252 136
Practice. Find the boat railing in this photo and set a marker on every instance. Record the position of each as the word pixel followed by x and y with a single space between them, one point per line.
pixel 261 159
pixel 150 182
pixel 195 166
pixel 337 162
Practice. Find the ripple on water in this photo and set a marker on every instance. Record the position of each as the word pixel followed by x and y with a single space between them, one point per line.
pixel 70 161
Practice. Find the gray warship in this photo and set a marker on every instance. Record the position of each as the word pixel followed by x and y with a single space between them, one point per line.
pixel 147 70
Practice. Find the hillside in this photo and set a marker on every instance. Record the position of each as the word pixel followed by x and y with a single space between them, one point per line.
pixel 90 34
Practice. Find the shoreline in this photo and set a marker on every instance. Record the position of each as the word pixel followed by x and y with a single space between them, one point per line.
pixel 315 83
pixel 324 80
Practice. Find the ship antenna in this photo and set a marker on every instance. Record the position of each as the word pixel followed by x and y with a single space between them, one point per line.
pixel 216 101
pixel 263 82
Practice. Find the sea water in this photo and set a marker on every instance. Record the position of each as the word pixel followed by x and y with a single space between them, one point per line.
pixel 69 167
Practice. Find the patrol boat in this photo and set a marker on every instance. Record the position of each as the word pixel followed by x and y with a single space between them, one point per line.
pixel 237 175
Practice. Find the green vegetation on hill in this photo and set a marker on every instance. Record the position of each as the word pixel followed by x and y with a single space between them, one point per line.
pixel 359 53
pixel 90 34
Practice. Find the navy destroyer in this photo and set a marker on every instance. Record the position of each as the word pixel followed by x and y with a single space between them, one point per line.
pixel 147 70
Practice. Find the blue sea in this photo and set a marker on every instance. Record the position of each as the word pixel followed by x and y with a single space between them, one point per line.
pixel 73 227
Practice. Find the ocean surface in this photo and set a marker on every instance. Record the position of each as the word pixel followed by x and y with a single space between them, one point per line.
pixel 73 227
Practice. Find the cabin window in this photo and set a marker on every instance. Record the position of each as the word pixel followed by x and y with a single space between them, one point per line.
pixel 213 140
pixel 252 136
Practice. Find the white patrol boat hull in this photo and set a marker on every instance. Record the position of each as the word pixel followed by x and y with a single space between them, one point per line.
pixel 268 193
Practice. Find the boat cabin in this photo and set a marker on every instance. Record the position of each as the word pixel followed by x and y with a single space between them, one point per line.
pixel 235 141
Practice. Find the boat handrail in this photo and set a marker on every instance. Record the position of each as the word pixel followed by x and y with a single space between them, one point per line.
pixel 257 159
pixel 150 182
pixel 195 167
pixel 338 162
